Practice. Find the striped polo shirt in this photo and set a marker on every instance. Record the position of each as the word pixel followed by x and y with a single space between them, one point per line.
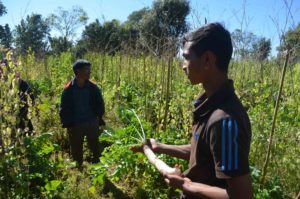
pixel 221 138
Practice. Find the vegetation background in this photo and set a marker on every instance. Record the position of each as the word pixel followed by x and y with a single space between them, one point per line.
pixel 138 66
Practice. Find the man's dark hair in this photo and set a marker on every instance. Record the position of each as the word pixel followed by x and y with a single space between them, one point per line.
pixel 4 63
pixel 80 63
pixel 213 37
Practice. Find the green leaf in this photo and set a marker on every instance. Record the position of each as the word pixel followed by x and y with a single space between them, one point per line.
pixel 52 185
pixel 92 189
pixel 47 149
pixel 100 178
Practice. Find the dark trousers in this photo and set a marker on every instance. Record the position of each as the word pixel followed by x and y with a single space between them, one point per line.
pixel 24 122
pixel 76 138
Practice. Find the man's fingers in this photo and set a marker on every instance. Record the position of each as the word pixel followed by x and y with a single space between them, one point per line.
pixel 136 148
pixel 167 175
pixel 187 179
pixel 167 180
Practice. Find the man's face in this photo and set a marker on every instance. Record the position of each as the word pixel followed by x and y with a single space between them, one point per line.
pixel 193 65
pixel 84 72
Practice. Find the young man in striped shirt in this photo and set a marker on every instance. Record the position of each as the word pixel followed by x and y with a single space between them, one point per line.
pixel 220 142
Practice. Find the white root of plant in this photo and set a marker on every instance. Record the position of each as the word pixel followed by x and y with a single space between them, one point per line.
pixel 160 165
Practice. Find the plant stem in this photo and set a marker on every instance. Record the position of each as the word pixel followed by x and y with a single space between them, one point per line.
pixel 144 136
pixel 264 171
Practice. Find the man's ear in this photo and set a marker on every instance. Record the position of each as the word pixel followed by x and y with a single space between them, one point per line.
pixel 210 58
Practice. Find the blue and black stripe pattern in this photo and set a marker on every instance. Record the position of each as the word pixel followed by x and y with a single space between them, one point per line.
pixel 196 135
pixel 229 145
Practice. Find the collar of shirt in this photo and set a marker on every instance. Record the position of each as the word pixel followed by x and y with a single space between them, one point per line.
pixel 74 83
pixel 204 105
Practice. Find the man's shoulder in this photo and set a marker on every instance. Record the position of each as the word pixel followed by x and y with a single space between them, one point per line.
pixel 93 82
pixel 93 85
pixel 217 116
pixel 231 109
pixel 23 84
pixel 68 85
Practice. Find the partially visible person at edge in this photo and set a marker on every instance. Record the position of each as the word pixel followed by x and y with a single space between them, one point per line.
pixel 24 93
pixel 81 112
pixel 221 132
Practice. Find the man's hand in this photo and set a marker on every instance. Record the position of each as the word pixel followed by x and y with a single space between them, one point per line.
pixel 176 181
pixel 195 189
pixel 150 142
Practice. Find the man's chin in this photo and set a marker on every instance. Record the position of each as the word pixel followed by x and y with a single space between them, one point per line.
pixel 194 82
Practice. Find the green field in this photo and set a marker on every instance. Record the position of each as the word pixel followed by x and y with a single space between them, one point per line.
pixel 157 89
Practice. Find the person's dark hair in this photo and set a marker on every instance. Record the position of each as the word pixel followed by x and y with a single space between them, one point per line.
pixel 213 37
pixel 80 63
pixel 4 63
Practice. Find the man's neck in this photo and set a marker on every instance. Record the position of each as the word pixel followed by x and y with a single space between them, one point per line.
pixel 212 85
pixel 80 82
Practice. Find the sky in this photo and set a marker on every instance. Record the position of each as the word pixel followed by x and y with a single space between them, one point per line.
pixel 264 18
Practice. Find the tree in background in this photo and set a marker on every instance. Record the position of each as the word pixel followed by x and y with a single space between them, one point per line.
pixel 242 43
pixel 59 44
pixel 261 49
pixel 93 37
pixel 115 36
pixel 291 41
pixel 161 26
pixel 5 33
pixel 5 36
pixel 32 33
pixel 2 9
pixel 136 17
pixel 107 38
pixel 247 45
pixel 66 22
pixel 134 27
pixel 153 31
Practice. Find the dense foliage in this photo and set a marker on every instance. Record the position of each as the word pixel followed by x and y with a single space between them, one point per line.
pixel 39 166
pixel 136 66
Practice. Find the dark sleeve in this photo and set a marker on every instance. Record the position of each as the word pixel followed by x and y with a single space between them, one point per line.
pixel 100 103
pixel 26 91
pixel 30 93
pixel 64 110
pixel 229 146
